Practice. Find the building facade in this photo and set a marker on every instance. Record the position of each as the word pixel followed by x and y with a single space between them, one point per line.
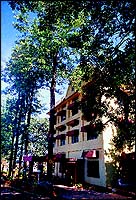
pixel 78 150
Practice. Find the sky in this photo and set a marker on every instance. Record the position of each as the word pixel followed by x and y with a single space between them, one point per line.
pixel 8 33
pixel 8 37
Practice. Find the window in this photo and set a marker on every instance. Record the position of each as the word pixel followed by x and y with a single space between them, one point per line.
pixel 92 134
pixel 63 117
pixel 54 143
pixel 62 141
pixel 93 168
pixel 75 138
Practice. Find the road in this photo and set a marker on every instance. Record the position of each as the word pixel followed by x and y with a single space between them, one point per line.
pixel 9 193
pixel 65 193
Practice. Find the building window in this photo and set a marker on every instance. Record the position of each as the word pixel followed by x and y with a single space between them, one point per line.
pixel 63 117
pixel 54 143
pixel 93 168
pixel 75 138
pixel 62 141
pixel 92 134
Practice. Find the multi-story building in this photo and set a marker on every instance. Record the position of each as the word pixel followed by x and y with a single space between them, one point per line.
pixel 77 148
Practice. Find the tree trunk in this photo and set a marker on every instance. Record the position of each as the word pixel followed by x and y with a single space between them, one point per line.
pixel 11 156
pixel 19 114
pixel 21 154
pixel 28 123
pixel 51 124
pixel 11 163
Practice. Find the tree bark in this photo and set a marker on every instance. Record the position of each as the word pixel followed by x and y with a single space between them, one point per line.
pixel 12 161
pixel 11 156
pixel 18 127
pixel 51 123
pixel 28 124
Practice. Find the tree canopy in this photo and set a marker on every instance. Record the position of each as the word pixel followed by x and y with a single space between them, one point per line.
pixel 38 137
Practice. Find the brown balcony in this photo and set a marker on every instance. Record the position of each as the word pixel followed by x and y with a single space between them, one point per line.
pixel 88 127
pixel 61 113
pixel 73 122
pixel 61 127
pixel 71 106
pixel 60 136
pixel 73 132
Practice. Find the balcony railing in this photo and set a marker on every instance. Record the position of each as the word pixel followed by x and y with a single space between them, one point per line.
pixel 61 112
pixel 73 122
pixel 61 127
pixel 60 136
pixel 72 132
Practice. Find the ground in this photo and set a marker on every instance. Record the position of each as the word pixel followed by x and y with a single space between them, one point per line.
pixel 59 192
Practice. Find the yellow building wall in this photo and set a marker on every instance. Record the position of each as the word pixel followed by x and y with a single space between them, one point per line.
pixel 101 144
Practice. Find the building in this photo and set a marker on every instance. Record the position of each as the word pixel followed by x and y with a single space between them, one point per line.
pixel 77 148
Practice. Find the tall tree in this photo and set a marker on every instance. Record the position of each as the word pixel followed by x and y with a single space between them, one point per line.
pixel 18 74
pixel 48 36
pixel 8 135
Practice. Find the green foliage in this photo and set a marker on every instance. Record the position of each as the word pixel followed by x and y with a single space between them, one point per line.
pixel 7 123
pixel 91 101
pixel 38 132
pixel 125 136
pixel 106 43
pixel 47 35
